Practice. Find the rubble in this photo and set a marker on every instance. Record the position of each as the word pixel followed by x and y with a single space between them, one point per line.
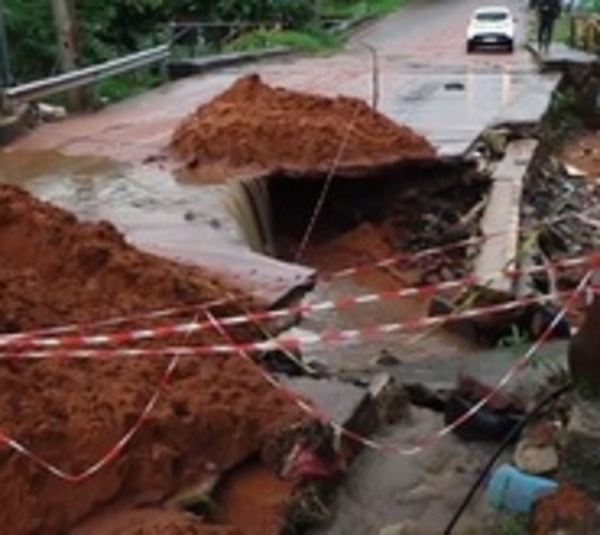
pixel 536 459
pixel 568 510
pixel 552 193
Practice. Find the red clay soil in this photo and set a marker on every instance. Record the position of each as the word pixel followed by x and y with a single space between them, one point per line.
pixel 256 498
pixel 252 128
pixel 216 412
pixel 567 511
pixel 153 522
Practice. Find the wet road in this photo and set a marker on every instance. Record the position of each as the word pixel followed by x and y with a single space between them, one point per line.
pixel 94 165
pixel 426 80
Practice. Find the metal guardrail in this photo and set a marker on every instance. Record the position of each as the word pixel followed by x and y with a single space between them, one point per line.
pixel 87 76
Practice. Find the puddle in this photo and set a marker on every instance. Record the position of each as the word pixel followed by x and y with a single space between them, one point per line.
pixel 146 203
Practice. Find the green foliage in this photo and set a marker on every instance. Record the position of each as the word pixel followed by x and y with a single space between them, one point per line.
pixel 312 40
pixel 110 29
pixel 31 37
pixel 563 116
pixel 357 8
pixel 512 524
pixel 290 13
pixel 128 85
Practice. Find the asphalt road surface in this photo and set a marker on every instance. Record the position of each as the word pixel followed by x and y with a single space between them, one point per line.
pixel 426 80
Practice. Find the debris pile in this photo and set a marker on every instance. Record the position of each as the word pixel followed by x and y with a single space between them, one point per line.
pixel 254 128
pixel 554 193
pixel 215 413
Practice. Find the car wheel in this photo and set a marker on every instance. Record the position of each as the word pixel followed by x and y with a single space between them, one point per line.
pixel 510 47
pixel 470 47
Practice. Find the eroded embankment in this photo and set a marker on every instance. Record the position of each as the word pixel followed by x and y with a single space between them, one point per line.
pixel 216 411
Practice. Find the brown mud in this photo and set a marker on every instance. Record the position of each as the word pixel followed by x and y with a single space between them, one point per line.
pixel 253 128
pixel 215 413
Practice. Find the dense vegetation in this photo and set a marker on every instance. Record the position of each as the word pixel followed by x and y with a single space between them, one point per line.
pixel 108 29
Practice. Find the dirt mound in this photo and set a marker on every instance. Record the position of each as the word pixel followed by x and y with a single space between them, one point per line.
pixel 253 126
pixel 216 412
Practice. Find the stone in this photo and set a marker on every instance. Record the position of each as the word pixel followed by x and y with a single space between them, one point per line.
pixel 536 459
pixel 421 493
pixel 408 527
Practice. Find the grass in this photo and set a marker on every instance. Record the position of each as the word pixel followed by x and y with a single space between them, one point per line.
pixel 309 40
pixel 562 30
pixel 512 524
pixel 350 9
pixel 315 39
pixel 128 85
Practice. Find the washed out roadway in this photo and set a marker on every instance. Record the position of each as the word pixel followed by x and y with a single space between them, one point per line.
pixel 94 164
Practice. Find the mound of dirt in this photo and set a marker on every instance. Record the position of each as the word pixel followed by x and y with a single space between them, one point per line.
pixel 253 127
pixel 216 411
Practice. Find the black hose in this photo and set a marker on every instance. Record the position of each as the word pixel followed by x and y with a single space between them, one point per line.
pixel 507 440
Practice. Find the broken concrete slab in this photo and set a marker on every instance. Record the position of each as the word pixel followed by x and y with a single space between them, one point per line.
pixel 270 281
pixel 561 55
pixel 337 400
pixel 488 367
pixel 521 98
pixel 501 219
pixel 381 490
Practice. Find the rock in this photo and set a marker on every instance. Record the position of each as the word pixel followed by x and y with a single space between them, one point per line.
pixel 49 113
pixel 536 459
pixel 391 402
pixel 408 527
pixel 573 172
pixel 421 493
pixel 385 358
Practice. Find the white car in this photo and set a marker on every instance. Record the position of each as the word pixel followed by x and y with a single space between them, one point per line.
pixel 491 26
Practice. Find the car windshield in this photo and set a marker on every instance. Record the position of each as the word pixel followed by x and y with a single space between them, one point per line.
pixel 491 16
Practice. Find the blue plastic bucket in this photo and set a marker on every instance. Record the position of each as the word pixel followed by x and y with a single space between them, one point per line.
pixel 511 490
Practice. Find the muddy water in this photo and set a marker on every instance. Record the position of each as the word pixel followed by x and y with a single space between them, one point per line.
pixel 146 203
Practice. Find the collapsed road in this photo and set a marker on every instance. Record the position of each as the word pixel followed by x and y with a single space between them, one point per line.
pixel 219 447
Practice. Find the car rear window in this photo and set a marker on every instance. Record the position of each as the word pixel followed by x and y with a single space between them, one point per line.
pixel 491 16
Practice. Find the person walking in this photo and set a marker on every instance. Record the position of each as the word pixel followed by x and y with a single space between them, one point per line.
pixel 548 12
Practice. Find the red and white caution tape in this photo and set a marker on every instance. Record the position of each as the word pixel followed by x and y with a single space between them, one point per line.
pixel 27 340
pixel 397 449
pixel 431 440
pixel 346 272
pixel 328 337
pixel 112 454
pixel 520 365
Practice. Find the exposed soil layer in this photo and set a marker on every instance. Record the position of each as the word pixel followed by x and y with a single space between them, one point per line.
pixel 253 128
pixel 146 521
pixel 255 498
pixel 216 411
pixel 567 511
